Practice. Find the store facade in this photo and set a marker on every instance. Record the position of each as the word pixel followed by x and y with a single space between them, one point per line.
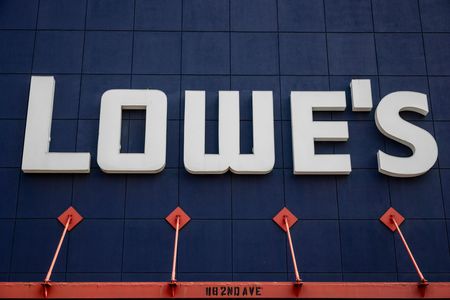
pixel 230 110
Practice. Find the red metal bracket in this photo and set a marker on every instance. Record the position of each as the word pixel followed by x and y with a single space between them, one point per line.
pixel 70 212
pixel 183 218
pixel 70 218
pixel 177 219
pixel 393 219
pixel 386 219
pixel 285 219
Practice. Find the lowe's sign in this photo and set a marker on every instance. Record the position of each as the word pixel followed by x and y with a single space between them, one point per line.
pixel 305 132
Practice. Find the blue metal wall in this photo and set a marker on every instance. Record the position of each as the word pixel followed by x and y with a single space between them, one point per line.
pixel 173 45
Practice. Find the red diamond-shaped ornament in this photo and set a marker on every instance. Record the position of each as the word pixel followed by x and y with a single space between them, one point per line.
pixel 172 218
pixel 392 213
pixel 279 218
pixel 76 218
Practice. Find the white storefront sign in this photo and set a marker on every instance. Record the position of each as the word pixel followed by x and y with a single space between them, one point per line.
pixel 305 132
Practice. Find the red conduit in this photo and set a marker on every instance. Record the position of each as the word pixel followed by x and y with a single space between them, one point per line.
pixel 423 281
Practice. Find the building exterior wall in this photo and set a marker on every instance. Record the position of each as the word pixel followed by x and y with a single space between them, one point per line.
pixel 91 46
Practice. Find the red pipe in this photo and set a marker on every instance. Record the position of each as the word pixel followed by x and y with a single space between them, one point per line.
pixel 423 281
pixel 55 257
pixel 175 250
pixel 294 262
pixel 46 283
